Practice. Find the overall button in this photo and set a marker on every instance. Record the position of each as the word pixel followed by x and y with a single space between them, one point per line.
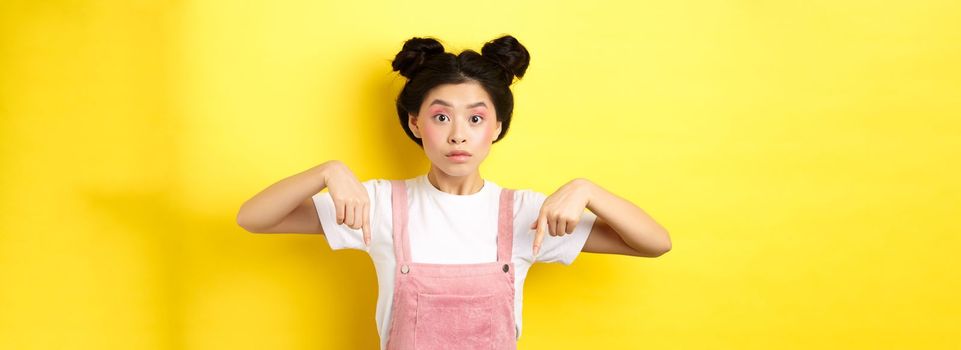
pixel 506 268
pixel 404 269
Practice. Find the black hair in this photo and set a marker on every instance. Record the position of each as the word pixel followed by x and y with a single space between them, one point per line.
pixel 426 65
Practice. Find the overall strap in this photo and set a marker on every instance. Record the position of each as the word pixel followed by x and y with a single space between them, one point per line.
pixel 398 194
pixel 505 226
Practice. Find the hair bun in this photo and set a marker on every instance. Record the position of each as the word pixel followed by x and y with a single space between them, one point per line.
pixel 510 54
pixel 414 53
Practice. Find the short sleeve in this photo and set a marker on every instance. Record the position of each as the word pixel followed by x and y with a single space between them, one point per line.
pixel 563 249
pixel 340 236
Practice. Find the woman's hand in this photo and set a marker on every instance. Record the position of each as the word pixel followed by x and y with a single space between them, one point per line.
pixel 561 211
pixel 350 198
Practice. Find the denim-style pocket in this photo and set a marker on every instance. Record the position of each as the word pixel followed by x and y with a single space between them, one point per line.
pixel 454 321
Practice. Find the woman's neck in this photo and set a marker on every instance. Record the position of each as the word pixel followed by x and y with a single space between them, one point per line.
pixel 459 185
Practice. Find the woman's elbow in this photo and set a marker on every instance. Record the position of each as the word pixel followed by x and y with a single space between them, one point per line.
pixel 666 247
pixel 244 222
pixel 662 248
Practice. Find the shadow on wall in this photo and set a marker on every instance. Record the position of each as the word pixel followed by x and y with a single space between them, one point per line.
pixel 207 276
pixel 382 143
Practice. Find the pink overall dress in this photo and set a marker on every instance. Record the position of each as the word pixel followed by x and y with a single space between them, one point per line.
pixel 452 306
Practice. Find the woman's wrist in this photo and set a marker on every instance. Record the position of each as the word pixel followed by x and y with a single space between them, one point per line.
pixel 322 170
pixel 588 187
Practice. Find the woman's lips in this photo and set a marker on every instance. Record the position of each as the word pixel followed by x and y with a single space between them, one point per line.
pixel 459 158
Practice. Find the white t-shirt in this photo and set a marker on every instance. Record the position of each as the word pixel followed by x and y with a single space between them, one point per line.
pixel 446 228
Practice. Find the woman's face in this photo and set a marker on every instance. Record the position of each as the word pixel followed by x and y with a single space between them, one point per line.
pixel 456 118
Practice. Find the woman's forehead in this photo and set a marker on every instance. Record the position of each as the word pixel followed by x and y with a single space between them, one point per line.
pixel 460 96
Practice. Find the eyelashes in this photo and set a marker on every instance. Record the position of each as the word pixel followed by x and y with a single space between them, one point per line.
pixel 479 118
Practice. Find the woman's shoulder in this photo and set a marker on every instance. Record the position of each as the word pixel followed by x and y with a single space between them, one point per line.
pixel 526 199
pixel 382 182
pixel 525 193
pixel 381 187
pixel 389 180
pixel 378 189
pixel 378 182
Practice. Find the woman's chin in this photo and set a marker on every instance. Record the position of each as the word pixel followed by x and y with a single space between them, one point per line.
pixel 460 173
pixel 457 170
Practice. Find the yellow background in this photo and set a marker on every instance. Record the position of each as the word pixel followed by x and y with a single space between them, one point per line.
pixel 803 155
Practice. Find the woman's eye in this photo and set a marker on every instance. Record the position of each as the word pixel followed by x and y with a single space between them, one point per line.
pixel 474 119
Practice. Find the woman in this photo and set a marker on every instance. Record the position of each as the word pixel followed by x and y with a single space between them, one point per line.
pixel 452 249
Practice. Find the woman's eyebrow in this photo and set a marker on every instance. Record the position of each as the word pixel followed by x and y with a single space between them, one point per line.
pixel 445 103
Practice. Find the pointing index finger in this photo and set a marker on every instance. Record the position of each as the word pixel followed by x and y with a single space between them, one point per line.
pixel 539 235
pixel 366 225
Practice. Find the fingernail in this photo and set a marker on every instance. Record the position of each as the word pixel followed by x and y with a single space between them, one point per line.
pixel 537 250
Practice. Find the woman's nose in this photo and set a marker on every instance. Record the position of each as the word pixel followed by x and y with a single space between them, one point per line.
pixel 457 135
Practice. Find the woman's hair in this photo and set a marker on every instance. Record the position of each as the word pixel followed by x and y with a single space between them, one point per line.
pixel 426 65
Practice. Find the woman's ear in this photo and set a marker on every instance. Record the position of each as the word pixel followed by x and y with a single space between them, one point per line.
pixel 412 124
pixel 497 133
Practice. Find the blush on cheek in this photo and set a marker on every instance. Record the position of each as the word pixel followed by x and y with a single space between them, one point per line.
pixel 488 135
pixel 430 134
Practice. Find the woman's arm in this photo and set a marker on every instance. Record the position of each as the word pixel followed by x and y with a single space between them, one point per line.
pixel 621 227
pixel 286 205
